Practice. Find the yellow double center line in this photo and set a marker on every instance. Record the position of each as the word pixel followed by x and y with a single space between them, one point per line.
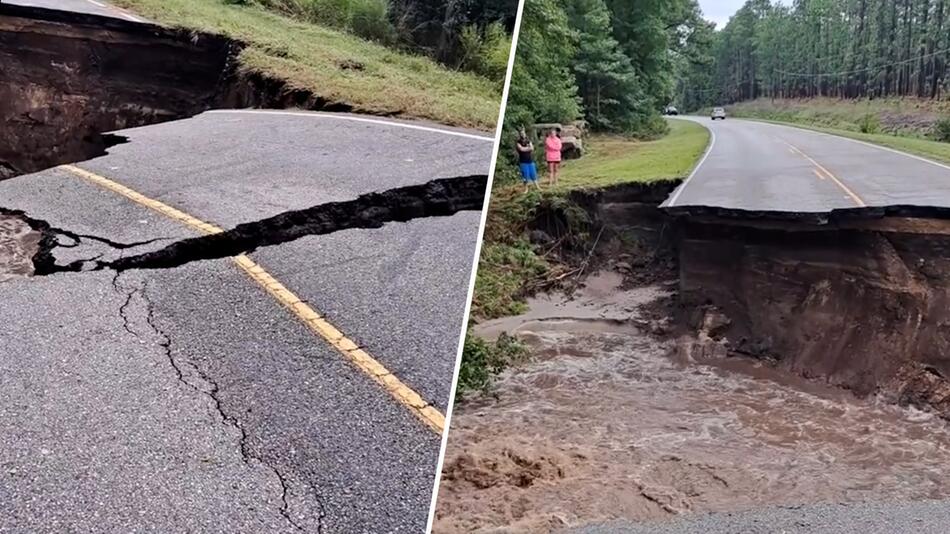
pixel 406 396
pixel 822 173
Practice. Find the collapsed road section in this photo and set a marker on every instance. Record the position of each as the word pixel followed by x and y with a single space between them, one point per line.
pixel 70 77
pixel 855 297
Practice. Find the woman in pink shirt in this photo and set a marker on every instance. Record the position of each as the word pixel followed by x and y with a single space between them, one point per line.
pixel 552 149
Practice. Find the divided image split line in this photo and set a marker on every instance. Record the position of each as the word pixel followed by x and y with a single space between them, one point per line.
pixel 365 362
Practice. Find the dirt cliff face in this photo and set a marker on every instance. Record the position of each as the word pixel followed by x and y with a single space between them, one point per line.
pixel 67 77
pixel 861 304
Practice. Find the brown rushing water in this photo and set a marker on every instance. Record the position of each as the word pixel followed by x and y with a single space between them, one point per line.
pixel 18 244
pixel 605 424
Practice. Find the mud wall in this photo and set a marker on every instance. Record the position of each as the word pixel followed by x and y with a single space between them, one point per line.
pixel 67 77
pixel 861 305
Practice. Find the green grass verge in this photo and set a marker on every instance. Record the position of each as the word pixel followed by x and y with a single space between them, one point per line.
pixel 926 148
pixel 614 160
pixel 309 57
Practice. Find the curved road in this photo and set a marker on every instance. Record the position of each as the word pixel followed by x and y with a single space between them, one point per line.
pixel 189 398
pixel 760 166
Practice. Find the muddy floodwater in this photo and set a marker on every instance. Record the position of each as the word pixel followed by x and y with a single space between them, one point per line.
pixel 609 422
pixel 18 244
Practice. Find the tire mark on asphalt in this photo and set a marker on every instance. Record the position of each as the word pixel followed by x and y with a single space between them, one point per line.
pixel 370 366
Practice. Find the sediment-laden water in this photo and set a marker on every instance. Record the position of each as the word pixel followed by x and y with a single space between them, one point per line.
pixel 608 422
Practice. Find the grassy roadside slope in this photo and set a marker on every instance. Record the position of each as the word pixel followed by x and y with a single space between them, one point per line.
pixel 902 124
pixel 314 58
pixel 511 267
pixel 908 117
pixel 926 148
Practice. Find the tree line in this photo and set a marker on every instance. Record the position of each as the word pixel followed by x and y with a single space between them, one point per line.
pixel 835 48
pixel 610 62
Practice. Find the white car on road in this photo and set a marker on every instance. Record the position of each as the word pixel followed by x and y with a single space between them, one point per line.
pixel 718 113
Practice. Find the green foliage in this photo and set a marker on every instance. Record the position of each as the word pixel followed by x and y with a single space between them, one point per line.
pixel 612 96
pixel 485 51
pixel 542 87
pixel 504 271
pixel 942 130
pixel 483 360
pixel 837 48
pixel 368 19
pixel 313 57
pixel 434 27
pixel 869 123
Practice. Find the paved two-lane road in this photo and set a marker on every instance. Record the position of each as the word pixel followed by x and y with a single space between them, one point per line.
pixel 757 166
pixel 189 399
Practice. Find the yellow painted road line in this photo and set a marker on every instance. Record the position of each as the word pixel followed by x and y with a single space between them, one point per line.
pixel 818 174
pixel 857 200
pixel 366 363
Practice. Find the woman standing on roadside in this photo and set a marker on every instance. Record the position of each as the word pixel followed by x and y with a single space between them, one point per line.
pixel 525 149
pixel 552 147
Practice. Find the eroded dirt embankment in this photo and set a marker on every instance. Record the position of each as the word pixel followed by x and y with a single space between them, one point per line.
pixel 861 302
pixel 69 78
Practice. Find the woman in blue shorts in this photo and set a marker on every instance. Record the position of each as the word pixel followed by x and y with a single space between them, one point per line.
pixel 529 172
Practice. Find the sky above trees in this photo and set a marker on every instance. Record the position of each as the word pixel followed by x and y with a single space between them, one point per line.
pixel 719 11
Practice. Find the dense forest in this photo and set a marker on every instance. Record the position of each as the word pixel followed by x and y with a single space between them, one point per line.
pixel 835 48
pixel 610 62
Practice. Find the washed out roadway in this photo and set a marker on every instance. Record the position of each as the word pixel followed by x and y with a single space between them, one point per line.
pixel 759 166
pixel 188 399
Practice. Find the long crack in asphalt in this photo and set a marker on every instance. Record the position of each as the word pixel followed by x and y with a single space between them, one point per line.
pixel 437 198
pixel 211 390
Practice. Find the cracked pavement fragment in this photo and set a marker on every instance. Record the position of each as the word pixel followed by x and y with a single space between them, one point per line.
pixel 98 435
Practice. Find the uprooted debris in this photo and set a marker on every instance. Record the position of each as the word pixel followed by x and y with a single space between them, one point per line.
pixel 436 198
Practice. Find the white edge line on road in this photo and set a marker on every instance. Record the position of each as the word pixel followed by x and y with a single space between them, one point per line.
pixel 357 119
pixel 120 12
pixel 679 190
pixel 858 141
pixel 499 126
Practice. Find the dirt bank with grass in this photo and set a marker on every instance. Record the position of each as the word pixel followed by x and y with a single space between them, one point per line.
pixel 317 67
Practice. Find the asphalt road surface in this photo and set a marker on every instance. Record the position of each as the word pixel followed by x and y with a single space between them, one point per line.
pixel 94 7
pixel 188 399
pixel 753 165
pixel 931 517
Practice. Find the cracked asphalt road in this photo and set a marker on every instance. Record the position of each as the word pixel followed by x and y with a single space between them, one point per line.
pixel 188 399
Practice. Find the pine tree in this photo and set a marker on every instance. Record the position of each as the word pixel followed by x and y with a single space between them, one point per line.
pixel 612 97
